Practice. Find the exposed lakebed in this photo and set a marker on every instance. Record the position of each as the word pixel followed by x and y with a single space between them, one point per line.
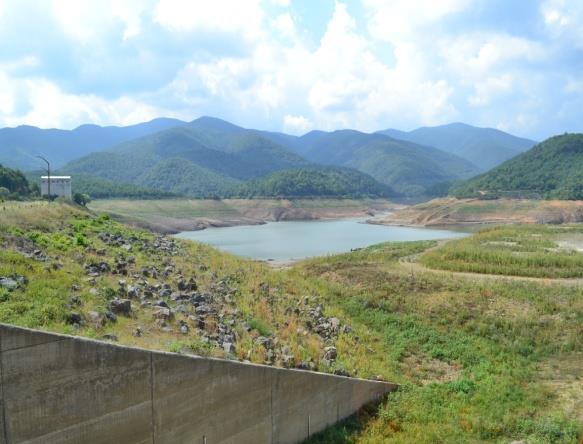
pixel 288 241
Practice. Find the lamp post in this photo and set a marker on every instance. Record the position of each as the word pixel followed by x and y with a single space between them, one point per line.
pixel 48 176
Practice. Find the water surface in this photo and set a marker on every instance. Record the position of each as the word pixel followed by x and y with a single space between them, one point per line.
pixel 286 241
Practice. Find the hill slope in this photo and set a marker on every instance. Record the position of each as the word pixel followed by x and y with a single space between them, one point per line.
pixel 315 181
pixel 484 147
pixel 204 158
pixel 406 167
pixel 20 145
pixel 552 169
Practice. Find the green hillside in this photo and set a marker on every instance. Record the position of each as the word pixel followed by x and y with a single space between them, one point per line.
pixel 406 167
pixel 315 181
pixel 13 184
pixel 484 147
pixel 552 169
pixel 205 158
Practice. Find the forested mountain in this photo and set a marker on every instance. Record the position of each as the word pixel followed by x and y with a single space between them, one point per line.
pixel 19 146
pixel 484 147
pixel 315 181
pixel 14 184
pixel 552 169
pixel 211 157
pixel 205 158
pixel 406 167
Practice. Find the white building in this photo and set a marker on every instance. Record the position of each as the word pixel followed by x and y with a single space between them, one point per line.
pixel 60 186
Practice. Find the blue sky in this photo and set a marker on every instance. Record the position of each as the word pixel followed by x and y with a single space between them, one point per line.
pixel 295 65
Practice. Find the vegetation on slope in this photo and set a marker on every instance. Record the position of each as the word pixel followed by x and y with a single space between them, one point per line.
pixel 211 156
pixel 315 182
pixel 528 250
pixel 404 166
pixel 552 169
pixel 478 360
pixel 484 147
pixel 14 184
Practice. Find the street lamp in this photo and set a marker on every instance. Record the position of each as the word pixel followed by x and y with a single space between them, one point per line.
pixel 48 176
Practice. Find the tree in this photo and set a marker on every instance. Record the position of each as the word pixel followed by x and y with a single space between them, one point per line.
pixel 81 199
pixel 4 193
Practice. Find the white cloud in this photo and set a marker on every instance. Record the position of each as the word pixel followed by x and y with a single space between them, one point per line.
pixel 391 63
pixel 395 20
pixel 241 16
pixel 296 124
pixel 563 19
pixel 490 89
pixel 284 25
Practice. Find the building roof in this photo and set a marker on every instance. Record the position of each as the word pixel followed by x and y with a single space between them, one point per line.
pixel 56 177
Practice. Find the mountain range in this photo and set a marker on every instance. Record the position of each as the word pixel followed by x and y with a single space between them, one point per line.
pixel 19 146
pixel 210 157
pixel 484 147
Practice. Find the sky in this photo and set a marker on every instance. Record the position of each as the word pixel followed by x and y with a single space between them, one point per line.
pixel 295 65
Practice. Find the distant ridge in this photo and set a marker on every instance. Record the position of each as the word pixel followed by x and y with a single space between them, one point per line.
pixel 408 168
pixel 19 146
pixel 484 147
pixel 210 157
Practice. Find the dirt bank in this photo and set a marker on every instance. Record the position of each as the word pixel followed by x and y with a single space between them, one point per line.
pixel 451 211
pixel 176 215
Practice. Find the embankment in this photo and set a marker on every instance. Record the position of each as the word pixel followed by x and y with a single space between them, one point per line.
pixel 63 389
pixel 451 211
pixel 174 215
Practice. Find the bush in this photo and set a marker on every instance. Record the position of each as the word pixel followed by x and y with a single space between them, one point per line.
pixel 81 199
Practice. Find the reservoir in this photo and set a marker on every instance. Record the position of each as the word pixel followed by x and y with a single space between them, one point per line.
pixel 287 241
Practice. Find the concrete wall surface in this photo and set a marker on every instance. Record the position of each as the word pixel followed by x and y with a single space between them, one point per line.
pixel 64 389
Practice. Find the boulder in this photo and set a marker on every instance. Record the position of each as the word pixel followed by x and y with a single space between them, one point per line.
pixel 121 306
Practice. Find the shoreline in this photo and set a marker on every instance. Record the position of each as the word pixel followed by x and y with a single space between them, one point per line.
pixel 176 216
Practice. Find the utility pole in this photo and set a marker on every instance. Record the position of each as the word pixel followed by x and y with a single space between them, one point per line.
pixel 48 176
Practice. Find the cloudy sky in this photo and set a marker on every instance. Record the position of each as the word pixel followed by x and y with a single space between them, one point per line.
pixel 295 65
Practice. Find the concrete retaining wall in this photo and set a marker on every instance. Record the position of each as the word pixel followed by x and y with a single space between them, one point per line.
pixel 63 389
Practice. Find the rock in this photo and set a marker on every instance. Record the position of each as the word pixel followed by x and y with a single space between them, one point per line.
pixel 110 337
pixel 288 361
pixel 75 287
pixel 138 332
pixel 111 317
pixel 74 318
pixel 265 342
pixel 133 292
pixel 270 356
pixel 74 301
pixel 162 313
pixel 8 283
pixel 334 323
pixel 306 365
pixel 161 303
pixel 127 247
pixel 95 319
pixel 341 372
pixel 93 291
pixel 184 327
pixel 229 347
pixel 121 306
pixel 330 353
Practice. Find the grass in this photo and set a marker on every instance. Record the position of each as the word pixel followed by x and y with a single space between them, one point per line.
pixel 478 361
pixel 469 354
pixel 526 250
